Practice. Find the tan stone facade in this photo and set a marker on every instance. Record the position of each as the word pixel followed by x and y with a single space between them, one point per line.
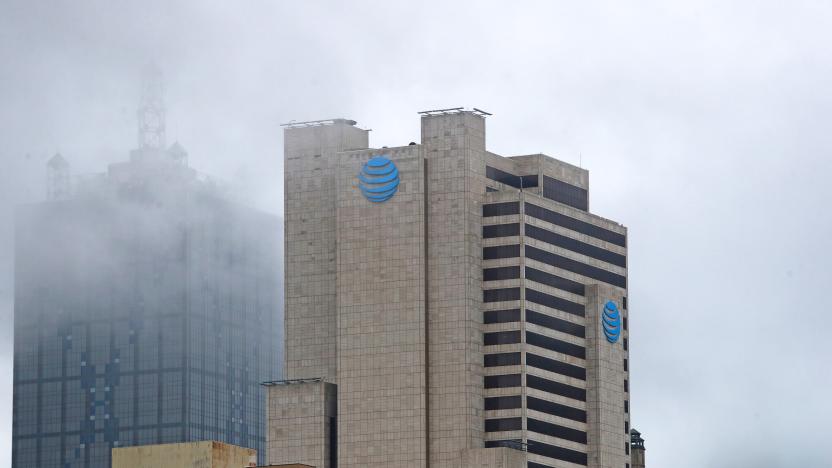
pixel 385 302
pixel 207 454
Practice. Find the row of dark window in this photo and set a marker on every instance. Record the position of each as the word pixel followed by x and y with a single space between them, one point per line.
pixel 569 223
pixel 535 425
pixel 501 251
pixel 576 246
pixel 537 404
pixel 503 424
pixel 560 453
pixel 555 302
pixel 503 402
pixel 554 409
pixel 501 337
pixel 500 295
pixel 533 360
pixel 501 359
pixel 555 260
pixel 554 281
pixel 554 323
pixel 575 266
pixel 501 273
pixel 512 180
pixel 555 430
pixel 500 230
pixel 500 209
pixel 543 320
pixel 553 365
pixel 565 193
pixel 502 381
pixel 516 444
pixel 502 316
pixel 555 388
pixel 541 448
pixel 556 345
pixel 535 339
pixel 540 465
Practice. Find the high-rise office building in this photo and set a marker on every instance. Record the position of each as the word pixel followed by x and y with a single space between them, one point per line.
pixel 447 306
pixel 147 311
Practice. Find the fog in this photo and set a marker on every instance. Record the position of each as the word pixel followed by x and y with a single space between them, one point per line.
pixel 704 127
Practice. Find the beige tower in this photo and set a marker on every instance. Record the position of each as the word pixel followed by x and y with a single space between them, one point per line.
pixel 409 342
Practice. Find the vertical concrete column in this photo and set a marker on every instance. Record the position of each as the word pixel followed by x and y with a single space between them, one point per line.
pixel 454 147
pixel 381 314
pixel 607 438
pixel 300 419
pixel 310 245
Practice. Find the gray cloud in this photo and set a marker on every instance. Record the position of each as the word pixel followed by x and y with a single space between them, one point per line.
pixel 703 126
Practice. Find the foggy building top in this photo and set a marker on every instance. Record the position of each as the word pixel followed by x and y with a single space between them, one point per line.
pixel 147 310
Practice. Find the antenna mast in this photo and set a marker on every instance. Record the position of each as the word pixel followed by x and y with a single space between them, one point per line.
pixel 151 113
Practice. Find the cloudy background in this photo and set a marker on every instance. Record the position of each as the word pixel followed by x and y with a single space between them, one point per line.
pixel 705 127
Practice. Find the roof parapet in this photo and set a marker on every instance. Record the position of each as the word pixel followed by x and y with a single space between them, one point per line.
pixel 317 123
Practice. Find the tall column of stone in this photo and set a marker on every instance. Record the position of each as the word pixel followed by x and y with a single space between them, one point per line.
pixel 309 210
pixel 607 438
pixel 381 313
pixel 454 146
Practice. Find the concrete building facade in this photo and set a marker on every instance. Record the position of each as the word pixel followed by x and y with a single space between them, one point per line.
pixel 464 308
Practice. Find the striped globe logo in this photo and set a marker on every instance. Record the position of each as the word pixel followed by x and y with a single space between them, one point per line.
pixel 379 179
pixel 611 321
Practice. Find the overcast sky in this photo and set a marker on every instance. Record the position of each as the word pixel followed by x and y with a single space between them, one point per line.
pixel 705 128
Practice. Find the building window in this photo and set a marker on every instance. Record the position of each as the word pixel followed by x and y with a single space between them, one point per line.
pixel 625 365
pixel 575 225
pixel 501 273
pixel 500 209
pixel 554 302
pixel 565 193
pixel 501 359
pixel 555 323
pixel 554 430
pixel 501 230
pixel 560 453
pixel 501 381
pixel 499 295
pixel 554 281
pixel 555 409
pixel 503 424
pixel 501 338
pixel 511 180
pixel 503 402
pixel 555 388
pixel 575 266
pixel 553 344
pixel 575 245
pixel 501 251
pixel 626 406
pixel 626 385
pixel 558 367
pixel 501 316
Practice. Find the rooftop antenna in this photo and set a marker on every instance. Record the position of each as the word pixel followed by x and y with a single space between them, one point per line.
pixel 151 113
pixel 580 159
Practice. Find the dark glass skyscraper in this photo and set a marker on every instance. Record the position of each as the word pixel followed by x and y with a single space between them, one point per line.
pixel 147 310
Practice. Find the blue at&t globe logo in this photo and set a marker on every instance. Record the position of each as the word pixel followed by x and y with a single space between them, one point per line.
pixel 379 179
pixel 611 321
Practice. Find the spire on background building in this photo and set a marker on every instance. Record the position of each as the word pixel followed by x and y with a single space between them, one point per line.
pixel 58 184
pixel 151 113
pixel 637 449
